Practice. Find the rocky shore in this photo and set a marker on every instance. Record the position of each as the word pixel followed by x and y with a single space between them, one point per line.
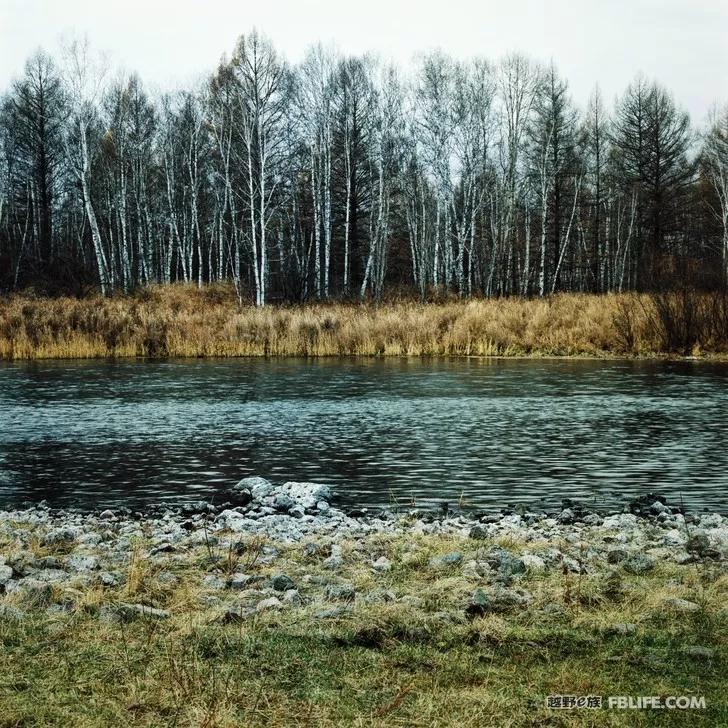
pixel 276 547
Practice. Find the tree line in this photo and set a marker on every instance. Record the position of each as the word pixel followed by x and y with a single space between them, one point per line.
pixel 343 177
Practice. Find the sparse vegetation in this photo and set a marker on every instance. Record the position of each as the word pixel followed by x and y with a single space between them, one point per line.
pixel 184 321
pixel 416 662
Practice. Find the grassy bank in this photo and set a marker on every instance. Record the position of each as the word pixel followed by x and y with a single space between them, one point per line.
pixel 183 321
pixel 416 661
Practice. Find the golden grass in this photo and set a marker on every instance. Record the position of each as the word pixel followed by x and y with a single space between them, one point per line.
pixel 183 321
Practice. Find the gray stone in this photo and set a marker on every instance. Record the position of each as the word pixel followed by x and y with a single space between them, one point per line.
pixel 340 593
pixel 131 611
pixel 333 613
pixel 698 543
pixel 566 516
pixel 534 564
pixel 622 628
pixel 282 583
pixel 33 593
pixel 617 556
pixel 82 562
pixel 639 564
pixel 681 605
pixel 213 581
pixel 242 581
pixel 108 579
pixel 237 614
pixel 292 598
pixel 699 652
pixel 268 604
pixel 58 536
pixel 446 561
pixel 658 508
pixel 163 548
pixel 380 596
pixel 382 564
pixel 283 502
pixel 258 487
pixel 505 562
pixel 301 491
pixel 6 574
pixel 10 613
pixel 107 514
pixel 479 533
pixel 496 600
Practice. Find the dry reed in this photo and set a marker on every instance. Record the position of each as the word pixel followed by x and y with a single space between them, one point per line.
pixel 183 321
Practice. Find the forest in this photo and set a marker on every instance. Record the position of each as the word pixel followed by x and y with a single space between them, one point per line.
pixel 343 177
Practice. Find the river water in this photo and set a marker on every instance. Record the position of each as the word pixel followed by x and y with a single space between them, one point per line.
pixel 484 433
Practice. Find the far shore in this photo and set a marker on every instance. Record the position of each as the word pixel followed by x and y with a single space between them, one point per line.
pixel 182 321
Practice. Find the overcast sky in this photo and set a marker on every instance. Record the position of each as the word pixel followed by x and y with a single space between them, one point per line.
pixel 682 43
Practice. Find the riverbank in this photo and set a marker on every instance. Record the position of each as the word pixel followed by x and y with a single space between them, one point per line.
pixel 278 608
pixel 183 321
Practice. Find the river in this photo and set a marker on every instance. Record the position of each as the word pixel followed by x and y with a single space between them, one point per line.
pixel 484 433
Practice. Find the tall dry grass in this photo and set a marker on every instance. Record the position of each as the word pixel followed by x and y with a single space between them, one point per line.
pixel 183 321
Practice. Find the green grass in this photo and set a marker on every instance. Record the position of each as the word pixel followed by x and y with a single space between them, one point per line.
pixel 384 664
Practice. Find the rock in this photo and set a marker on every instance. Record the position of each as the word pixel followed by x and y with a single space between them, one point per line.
pixel 283 502
pixel 243 581
pixel 335 560
pixel 566 516
pixel 268 604
pixel 496 600
pixel 108 579
pixel 132 611
pixel 331 613
pixel 237 614
pixel 534 564
pixel 699 652
pixel 33 593
pixel 412 601
pixel 340 593
pixel 6 574
pixel 59 536
pixel 697 543
pixel 292 598
pixel 617 556
pixel 212 581
pixel 256 486
pixel 382 564
pixel 162 548
pixel 323 506
pixel 622 628
pixel 446 561
pixel 10 613
pixel 553 609
pixel 593 519
pixel 506 563
pixel 82 562
pixel 639 564
pixel 166 578
pixel 475 569
pixel 301 491
pixel 107 514
pixel 680 605
pixel 658 507
pixel 282 583
pixel 479 533
pixel 380 596
pixel 711 520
